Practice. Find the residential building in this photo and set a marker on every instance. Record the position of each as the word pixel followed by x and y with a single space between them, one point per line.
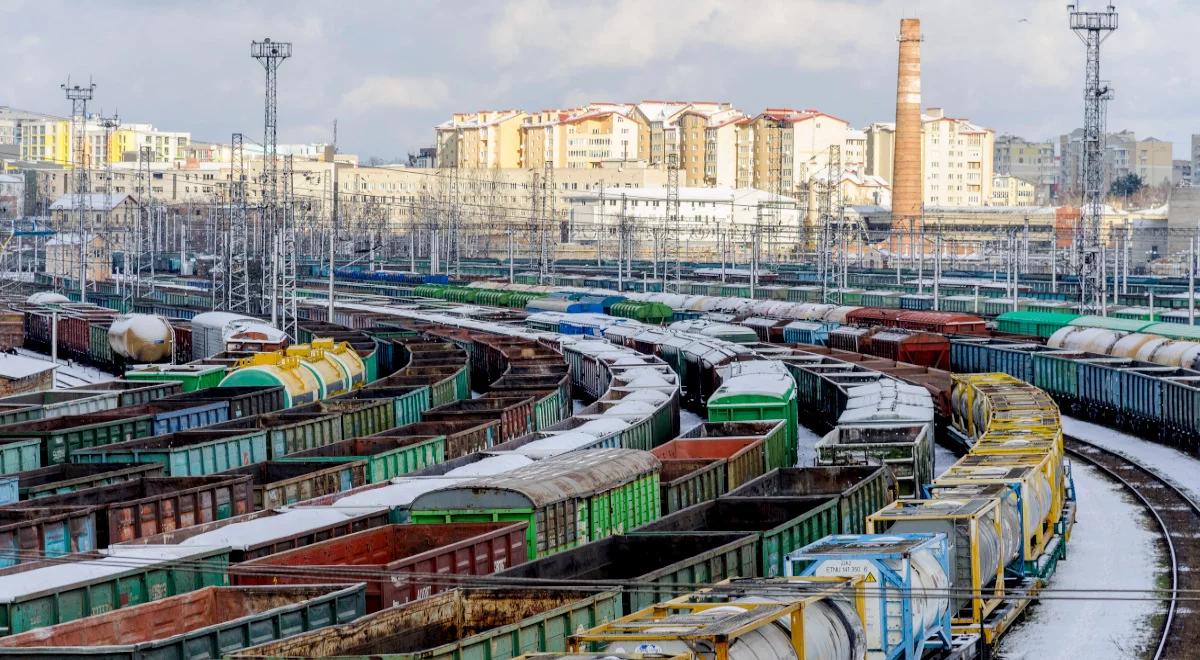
pixel 1150 159
pixel 854 151
pixel 608 133
pixel 1153 161
pixel 793 145
pixel 880 149
pixel 708 146
pixel 1196 158
pixel 13 122
pixel 47 139
pixel 1010 190
pixel 488 139
pixel 1181 172
pixel 426 157
pixel 1034 162
pixel 662 129
pixel 957 160
pixel 117 210
pixel 12 196
pixel 62 256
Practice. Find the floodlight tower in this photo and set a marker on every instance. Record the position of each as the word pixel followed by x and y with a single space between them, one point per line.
pixel 79 95
pixel 271 55
pixel 1092 28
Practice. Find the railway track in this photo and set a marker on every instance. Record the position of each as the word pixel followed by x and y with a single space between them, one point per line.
pixel 1178 518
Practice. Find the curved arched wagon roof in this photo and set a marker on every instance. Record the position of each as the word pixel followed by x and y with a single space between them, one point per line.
pixel 569 476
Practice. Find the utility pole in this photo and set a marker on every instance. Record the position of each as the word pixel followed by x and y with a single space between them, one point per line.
pixel 333 225
pixel 79 95
pixel 548 207
pixel 271 55
pixel 237 268
pixel 287 254
pixel 673 220
pixel 1092 28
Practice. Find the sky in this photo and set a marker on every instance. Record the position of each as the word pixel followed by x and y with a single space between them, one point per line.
pixel 389 70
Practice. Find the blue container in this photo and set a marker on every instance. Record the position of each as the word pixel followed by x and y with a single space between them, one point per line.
pixel 204 413
pixel 1100 383
pixel 808 332
pixel 10 489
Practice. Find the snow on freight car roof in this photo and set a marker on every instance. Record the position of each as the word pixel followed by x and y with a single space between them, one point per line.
pixel 246 534
pixel 401 492
pixel 649 396
pixel 762 384
pixel 555 445
pixel 548 481
pixel 735 369
pixel 602 427
pixel 495 464
pixel 118 559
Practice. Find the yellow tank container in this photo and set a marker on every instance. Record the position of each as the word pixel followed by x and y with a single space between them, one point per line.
pixel 329 373
pixel 300 383
pixel 343 354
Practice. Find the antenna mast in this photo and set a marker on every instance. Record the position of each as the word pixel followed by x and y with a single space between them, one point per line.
pixel 79 95
pixel 1092 28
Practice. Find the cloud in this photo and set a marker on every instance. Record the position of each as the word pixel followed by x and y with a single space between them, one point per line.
pixel 376 93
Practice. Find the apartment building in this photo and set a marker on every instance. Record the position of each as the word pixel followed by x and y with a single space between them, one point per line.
pixel 488 139
pixel 1029 161
pixel 793 146
pixel 608 133
pixel 957 157
pixel 1124 154
pixel 1011 190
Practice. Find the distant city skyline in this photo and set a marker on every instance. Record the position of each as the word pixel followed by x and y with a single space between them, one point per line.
pixel 388 72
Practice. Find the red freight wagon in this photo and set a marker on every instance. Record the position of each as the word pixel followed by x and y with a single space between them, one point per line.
pixel 921 348
pixel 942 322
pixel 385 558
pixel 873 316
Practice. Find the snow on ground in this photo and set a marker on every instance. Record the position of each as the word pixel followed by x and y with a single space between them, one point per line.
pixel 576 406
pixel 942 458
pixel 1111 535
pixel 807 447
pixel 1175 465
pixel 71 373
pixel 689 420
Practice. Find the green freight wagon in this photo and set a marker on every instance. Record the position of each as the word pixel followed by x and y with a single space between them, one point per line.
pixel 358 417
pixel 20 455
pixel 291 432
pixel 40 594
pixel 187 453
pixel 407 401
pixel 132 393
pixel 1033 324
pixel 781 524
pixel 752 397
pixel 661 566
pixel 60 437
pixel 191 377
pixel 386 458
pixel 567 500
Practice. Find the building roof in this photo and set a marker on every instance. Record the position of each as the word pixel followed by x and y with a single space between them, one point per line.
pixel 794 116
pixel 686 194
pixel 69 239
pixel 15 367
pixel 91 202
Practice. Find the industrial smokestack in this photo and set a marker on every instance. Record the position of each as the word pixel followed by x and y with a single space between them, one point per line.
pixel 907 191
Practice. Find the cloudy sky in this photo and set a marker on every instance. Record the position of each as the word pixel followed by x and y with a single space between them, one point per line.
pixel 388 70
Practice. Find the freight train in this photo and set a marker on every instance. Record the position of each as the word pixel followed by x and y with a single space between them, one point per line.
pixel 568 482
